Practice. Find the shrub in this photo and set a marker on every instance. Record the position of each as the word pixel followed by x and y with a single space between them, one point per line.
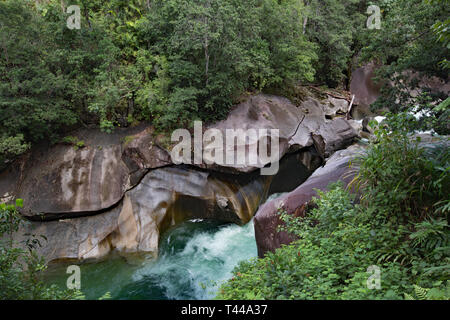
pixel 77 143
pixel 329 261
pixel 402 178
pixel 20 269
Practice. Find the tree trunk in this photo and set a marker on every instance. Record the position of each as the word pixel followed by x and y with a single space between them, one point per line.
pixel 305 22
pixel 206 60
pixel 206 48
pixel 305 19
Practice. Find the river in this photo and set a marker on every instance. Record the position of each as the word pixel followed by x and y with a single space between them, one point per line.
pixel 195 257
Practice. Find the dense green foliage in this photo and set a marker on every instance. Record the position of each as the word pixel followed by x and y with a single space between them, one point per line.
pixel 46 71
pixel 215 50
pixel 170 62
pixel 398 224
pixel 442 31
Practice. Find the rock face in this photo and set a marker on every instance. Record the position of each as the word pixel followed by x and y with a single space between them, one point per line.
pixel 163 198
pixel 63 182
pixel 75 239
pixel 121 190
pixel 300 126
pixel 73 181
pixel 266 220
pixel 364 88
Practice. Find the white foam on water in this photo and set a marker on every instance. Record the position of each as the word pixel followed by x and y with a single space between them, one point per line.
pixel 206 260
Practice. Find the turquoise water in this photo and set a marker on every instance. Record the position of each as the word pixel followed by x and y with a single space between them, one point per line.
pixel 195 257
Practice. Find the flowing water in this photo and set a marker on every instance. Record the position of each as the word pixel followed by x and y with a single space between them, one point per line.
pixel 195 257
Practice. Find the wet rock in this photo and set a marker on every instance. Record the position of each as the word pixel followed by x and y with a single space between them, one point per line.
pixel 365 89
pixel 266 220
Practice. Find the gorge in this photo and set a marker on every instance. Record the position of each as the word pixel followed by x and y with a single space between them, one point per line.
pixel 227 150
pixel 119 196
pixel 119 201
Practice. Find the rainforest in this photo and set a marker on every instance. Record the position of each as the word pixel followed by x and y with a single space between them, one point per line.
pixel 98 98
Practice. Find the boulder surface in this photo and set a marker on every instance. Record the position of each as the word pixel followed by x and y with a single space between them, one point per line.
pixel 266 221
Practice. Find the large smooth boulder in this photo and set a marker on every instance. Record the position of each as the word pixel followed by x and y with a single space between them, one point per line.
pixel 164 198
pixel 266 221
pixel 300 126
pixel 74 181
pixel 365 89
pixel 64 181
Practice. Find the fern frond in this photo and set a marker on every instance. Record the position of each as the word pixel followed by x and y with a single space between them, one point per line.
pixel 409 297
pixel 421 293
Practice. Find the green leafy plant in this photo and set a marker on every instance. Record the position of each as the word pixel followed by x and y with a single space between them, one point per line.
pixel 397 222
pixel 21 266
pixel 77 144
pixel 429 294
pixel 430 234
